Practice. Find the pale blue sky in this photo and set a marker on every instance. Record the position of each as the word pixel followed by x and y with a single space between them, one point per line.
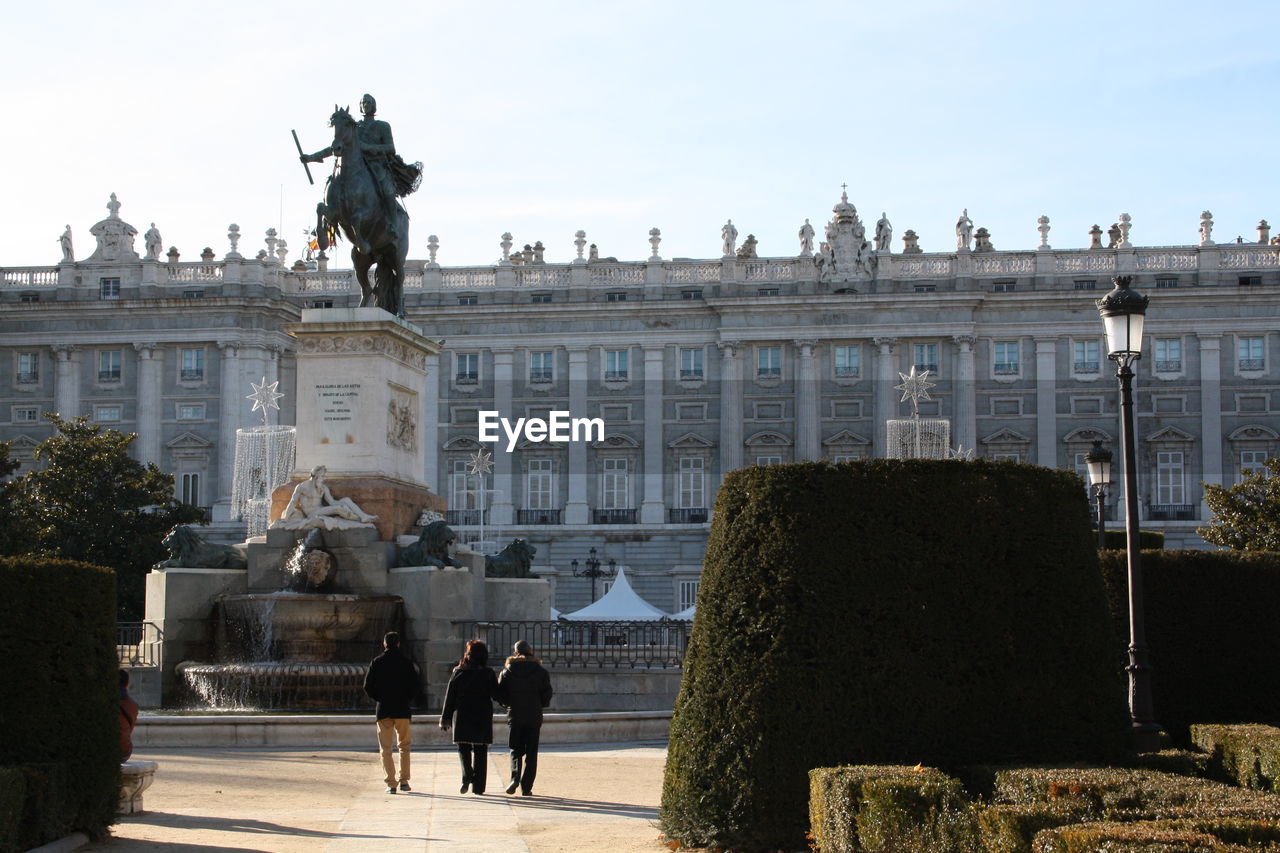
pixel 615 117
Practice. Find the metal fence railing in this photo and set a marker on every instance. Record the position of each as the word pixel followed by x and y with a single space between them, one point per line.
pixel 658 644
pixel 138 643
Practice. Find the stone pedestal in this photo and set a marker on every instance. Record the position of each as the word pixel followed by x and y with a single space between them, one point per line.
pixel 135 777
pixel 180 603
pixel 362 414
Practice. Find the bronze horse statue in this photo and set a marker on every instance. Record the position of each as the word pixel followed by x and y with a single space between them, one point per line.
pixel 352 203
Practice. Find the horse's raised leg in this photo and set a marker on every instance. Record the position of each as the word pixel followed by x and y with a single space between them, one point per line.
pixel 362 262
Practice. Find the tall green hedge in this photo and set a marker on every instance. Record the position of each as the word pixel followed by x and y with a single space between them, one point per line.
pixel 59 703
pixel 1211 634
pixel 891 612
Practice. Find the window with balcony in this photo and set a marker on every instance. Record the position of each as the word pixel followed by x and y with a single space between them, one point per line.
pixel 464 499
pixel 1251 353
pixel 1170 478
pixel 1168 353
pixel 108 288
pixel 616 365
pixel 542 367
pixel 1085 356
pixel 847 362
pixel 691 364
pixel 109 365
pixel 28 368
pixel 539 486
pixel 692 494
pixel 925 357
pixel 1007 358
pixel 192 365
pixel 769 362
pixel 466 367
pixel 615 492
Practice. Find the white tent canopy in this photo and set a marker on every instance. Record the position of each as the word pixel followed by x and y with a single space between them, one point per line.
pixel 686 614
pixel 619 604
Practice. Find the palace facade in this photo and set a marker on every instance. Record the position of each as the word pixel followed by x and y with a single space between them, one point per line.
pixel 696 367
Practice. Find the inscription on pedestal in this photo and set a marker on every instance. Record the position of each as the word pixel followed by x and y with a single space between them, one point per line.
pixel 337 404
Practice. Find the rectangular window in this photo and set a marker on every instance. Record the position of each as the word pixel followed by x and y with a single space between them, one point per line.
pixel 1169 405
pixel 108 288
pixel 1085 356
pixel 28 364
pixel 1086 284
pixel 539 491
pixel 109 365
pixel 691 411
pixel 199 294
pixel 846 408
pixel 462 487
pixel 691 363
pixel 26 414
pixel 467 367
pixel 1168 355
pixel 1169 478
pixel 691 294
pixel 765 461
pixel 192 364
pixel 541 298
pixel 925 357
pixel 614 487
pixel 769 361
pixel 616 365
pixel 1004 286
pixel 769 411
pixel 541 366
pixel 847 457
pixel 1250 280
pixel 106 414
pixel 1166 282
pixel 320 303
pixel 691 483
pixel 615 414
pixel 688 594
pixel 191 411
pixel 189 486
pixel 847 361
pixel 1006 358
pixel 29 297
pixel 1251 402
pixel 616 296
pixel 926 288
pixel 1252 462
pixel 1006 406
pixel 462 415
pixel 468 299
pixel 767 291
pixel 1249 351
pixel 1086 405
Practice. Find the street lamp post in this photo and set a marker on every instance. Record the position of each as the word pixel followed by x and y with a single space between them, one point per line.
pixel 593 570
pixel 1099 461
pixel 1123 311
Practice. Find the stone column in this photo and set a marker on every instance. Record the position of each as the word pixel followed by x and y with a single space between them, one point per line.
pixel 66 380
pixel 431 427
pixel 966 431
pixel 502 511
pixel 653 509
pixel 884 395
pixel 1046 402
pixel 229 422
pixel 576 510
pixel 730 407
pixel 150 363
pixel 1212 467
pixel 808 443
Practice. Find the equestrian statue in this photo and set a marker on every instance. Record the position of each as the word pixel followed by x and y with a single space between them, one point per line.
pixel 360 199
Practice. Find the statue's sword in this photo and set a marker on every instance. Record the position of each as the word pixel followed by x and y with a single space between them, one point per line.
pixel 300 154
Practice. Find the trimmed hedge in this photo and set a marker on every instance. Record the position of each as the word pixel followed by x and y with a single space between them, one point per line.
pixel 1118 540
pixel 889 808
pixel 1141 837
pixel 1248 755
pixel 59 705
pixel 1210 619
pixel 886 611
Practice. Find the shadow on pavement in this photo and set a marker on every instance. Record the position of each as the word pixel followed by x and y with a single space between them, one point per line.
pixel 563 804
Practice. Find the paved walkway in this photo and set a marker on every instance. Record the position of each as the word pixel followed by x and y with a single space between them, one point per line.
pixel 599 797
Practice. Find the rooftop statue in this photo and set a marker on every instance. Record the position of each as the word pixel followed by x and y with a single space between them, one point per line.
pixel 68 253
pixel 360 199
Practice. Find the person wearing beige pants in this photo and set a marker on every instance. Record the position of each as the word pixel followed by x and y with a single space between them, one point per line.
pixel 392 682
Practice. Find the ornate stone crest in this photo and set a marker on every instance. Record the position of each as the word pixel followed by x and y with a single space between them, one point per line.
pixel 114 236
pixel 846 253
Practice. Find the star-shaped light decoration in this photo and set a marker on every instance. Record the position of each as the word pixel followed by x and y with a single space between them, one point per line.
pixel 915 387
pixel 480 463
pixel 960 452
pixel 264 397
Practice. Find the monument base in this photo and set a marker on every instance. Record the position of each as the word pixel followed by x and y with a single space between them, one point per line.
pixel 397 504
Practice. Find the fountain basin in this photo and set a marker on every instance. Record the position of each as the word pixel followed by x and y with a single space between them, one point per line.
pixel 303 627
pixel 276 686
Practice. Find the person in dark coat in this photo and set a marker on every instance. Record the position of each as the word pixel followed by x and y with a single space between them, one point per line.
pixel 524 688
pixel 468 710
pixel 392 682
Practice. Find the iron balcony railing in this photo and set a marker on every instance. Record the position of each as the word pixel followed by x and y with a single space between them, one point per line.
pixel 138 643
pixel 1251 364
pixel 462 516
pixel 1171 512
pixel 687 515
pixel 537 516
pixel 614 516
pixel 659 644
pixel 1169 366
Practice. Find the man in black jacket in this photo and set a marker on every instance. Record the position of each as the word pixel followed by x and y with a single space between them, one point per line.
pixel 524 688
pixel 392 682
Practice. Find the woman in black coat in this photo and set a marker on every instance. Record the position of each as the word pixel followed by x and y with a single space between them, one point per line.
pixel 468 709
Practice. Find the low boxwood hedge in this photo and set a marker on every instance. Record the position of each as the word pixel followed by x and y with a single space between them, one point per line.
pixel 1248 755
pixel 1139 837
pixel 60 702
pixel 890 808
pixel 1210 625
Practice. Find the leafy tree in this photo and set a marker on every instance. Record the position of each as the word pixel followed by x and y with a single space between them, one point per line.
pixel 11 531
pixel 1247 515
pixel 91 501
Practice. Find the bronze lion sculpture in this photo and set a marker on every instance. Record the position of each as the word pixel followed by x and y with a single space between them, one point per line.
pixel 431 549
pixel 513 561
pixel 189 550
